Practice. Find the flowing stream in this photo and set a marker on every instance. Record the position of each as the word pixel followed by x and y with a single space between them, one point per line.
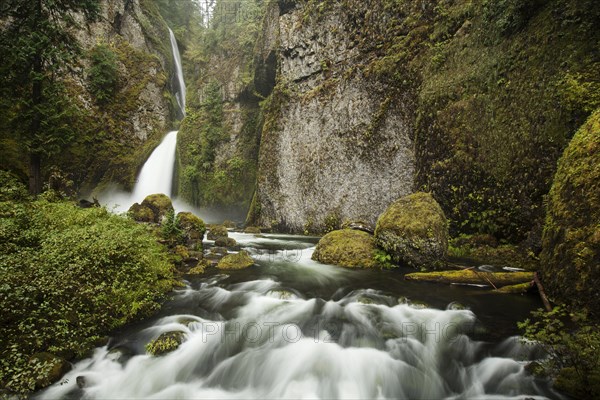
pixel 290 327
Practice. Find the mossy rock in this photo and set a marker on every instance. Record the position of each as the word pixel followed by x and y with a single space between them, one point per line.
pixel 239 260
pixel 225 242
pixel 570 259
pixel 160 204
pixel 217 231
pixel 347 248
pixel 414 231
pixel 165 343
pixel 252 229
pixel 47 369
pixel 140 213
pixel 197 270
pixel 181 251
pixel 192 226
pixel 229 224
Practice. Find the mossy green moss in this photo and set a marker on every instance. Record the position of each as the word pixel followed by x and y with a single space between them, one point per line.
pixel 140 213
pixel 239 260
pixel 165 343
pixel 413 230
pixel 192 226
pixel 570 260
pixel 499 279
pixel 225 242
pixel 347 248
pixel 217 231
pixel 160 205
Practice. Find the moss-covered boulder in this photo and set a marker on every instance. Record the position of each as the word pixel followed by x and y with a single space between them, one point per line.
pixel 239 260
pixel 229 224
pixel 347 248
pixel 160 204
pixel 570 259
pixel 217 231
pixel 192 226
pixel 165 343
pixel 414 230
pixel 140 213
pixel 470 276
pixel 47 369
pixel 252 229
pixel 225 242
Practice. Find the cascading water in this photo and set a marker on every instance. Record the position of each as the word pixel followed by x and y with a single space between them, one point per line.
pixel 290 327
pixel 180 94
pixel 156 175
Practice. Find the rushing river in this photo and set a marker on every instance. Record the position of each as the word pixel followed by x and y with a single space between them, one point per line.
pixel 290 327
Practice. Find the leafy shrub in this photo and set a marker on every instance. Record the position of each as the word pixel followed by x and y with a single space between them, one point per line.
pixel 572 343
pixel 103 75
pixel 67 277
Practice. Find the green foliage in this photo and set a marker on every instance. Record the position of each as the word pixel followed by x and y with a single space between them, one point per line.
pixel 171 229
pixel 572 343
pixel 67 277
pixel 165 343
pixel 103 74
pixel 382 258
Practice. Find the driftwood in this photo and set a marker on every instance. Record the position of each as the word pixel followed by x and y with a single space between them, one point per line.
pixel 496 279
pixel 538 283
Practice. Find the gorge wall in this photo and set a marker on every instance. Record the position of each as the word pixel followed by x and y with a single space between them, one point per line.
pixel 473 101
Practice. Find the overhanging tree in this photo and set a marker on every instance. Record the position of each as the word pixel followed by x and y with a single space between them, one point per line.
pixel 38 49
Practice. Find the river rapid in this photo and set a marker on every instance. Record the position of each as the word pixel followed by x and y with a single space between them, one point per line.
pixel 290 327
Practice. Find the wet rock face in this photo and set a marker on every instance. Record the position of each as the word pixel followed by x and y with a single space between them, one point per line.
pixel 414 231
pixel 335 142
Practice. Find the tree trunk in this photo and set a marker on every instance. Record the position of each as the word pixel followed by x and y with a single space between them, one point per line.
pixel 35 174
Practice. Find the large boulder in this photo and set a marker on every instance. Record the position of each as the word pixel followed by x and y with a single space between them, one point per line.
pixel 570 259
pixel 160 204
pixel 217 231
pixel 140 213
pixel 414 231
pixel 347 248
pixel 192 226
pixel 239 260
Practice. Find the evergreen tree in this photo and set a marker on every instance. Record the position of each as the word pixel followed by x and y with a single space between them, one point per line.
pixel 38 48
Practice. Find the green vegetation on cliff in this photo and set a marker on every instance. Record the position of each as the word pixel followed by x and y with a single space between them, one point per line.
pixel 67 277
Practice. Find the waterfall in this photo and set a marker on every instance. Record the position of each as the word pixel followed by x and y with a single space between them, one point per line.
pixel 180 94
pixel 156 175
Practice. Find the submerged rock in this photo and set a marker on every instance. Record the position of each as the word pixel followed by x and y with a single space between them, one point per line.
pixel 239 260
pixel 165 343
pixel 347 248
pixel 48 369
pixel 570 259
pixel 414 230
pixel 217 231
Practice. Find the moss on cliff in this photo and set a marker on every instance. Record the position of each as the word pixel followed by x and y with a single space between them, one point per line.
pixel 571 242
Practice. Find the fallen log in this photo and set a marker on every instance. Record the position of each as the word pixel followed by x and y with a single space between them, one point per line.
pixel 519 288
pixel 498 279
pixel 538 283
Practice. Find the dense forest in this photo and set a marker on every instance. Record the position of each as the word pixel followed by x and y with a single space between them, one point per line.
pixel 447 141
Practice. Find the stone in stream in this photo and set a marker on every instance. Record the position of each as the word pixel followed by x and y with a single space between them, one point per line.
pixel 347 248
pixel 217 231
pixel 239 260
pixel 193 227
pixel 414 231
pixel 160 204
pixel 165 343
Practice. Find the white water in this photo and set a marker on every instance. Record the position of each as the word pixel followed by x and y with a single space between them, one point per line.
pixel 180 95
pixel 257 337
pixel 156 175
